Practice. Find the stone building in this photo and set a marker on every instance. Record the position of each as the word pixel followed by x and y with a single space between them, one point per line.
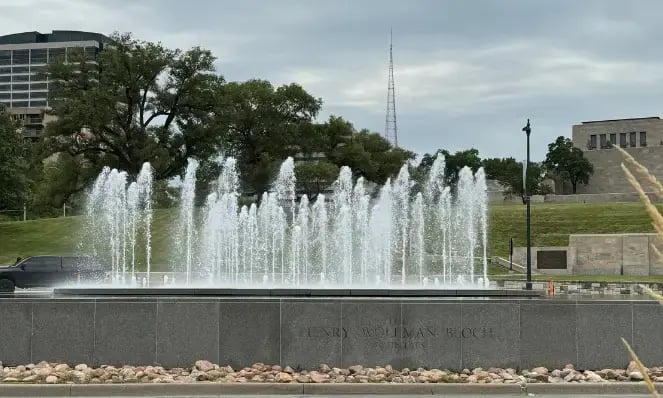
pixel 641 137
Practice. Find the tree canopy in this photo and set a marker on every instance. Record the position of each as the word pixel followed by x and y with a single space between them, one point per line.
pixel 314 177
pixel 261 125
pixel 568 162
pixel 138 102
pixel 509 172
pixel 13 178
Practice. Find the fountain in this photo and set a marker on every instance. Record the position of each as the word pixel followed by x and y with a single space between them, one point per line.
pixel 354 238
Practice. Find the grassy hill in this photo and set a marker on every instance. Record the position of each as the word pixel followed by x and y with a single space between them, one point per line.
pixel 551 225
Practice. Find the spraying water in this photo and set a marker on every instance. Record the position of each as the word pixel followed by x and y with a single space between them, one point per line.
pixel 352 238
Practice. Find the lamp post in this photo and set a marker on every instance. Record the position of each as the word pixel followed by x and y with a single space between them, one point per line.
pixel 526 198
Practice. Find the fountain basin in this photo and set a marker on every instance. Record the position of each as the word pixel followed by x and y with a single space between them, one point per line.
pixel 290 292
pixel 304 332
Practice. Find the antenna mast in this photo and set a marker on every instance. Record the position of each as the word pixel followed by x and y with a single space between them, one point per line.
pixel 391 131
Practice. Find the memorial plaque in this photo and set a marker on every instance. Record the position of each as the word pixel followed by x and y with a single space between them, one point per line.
pixel 551 259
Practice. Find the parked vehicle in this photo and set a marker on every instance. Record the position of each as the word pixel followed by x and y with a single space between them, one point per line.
pixel 49 271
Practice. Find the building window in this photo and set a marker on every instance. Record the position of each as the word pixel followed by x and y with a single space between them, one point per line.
pixel 38 86
pixel 604 141
pixel 20 87
pixel 643 138
pixel 21 57
pixel 26 78
pixel 5 70
pixel 632 139
pixel 90 53
pixel 20 95
pixel 613 139
pixel 20 104
pixel 592 141
pixel 38 56
pixel 55 54
pixel 4 87
pixel 4 96
pixel 38 96
pixel 21 69
pixel 622 140
pixel 38 104
pixel 5 79
pixel 5 57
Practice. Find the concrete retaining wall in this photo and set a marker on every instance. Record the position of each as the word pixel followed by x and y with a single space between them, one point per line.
pixel 438 333
pixel 604 254
pixel 520 257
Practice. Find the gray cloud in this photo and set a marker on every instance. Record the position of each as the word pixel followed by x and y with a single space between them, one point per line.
pixel 468 74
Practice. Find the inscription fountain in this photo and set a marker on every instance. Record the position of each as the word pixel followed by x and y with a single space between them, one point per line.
pixel 355 236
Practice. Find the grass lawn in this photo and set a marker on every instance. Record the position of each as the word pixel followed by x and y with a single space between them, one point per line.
pixel 61 236
pixel 551 225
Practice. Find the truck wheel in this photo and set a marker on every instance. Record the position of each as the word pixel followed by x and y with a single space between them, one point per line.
pixel 6 286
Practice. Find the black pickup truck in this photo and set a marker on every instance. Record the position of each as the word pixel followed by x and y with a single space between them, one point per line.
pixel 48 271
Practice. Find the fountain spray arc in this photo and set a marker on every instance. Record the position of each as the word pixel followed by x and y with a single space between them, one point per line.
pixel 390 237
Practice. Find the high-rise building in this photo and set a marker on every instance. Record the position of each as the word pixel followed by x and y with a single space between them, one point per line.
pixel 24 61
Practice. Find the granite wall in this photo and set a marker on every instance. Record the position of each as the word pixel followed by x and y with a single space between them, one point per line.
pixel 603 254
pixel 435 333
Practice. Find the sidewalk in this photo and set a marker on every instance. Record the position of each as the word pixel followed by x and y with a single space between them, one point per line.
pixel 218 389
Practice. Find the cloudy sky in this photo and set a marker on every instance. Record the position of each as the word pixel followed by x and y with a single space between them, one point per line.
pixel 468 73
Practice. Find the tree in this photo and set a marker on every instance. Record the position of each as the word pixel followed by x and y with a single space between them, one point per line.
pixel 13 168
pixel 314 178
pixel 453 164
pixel 261 125
pixel 58 179
pixel 568 162
pixel 139 102
pixel 370 155
pixel 509 172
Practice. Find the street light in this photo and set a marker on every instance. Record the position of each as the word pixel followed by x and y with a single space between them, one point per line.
pixel 527 201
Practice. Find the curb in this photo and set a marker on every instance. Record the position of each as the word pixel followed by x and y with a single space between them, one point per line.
pixel 216 389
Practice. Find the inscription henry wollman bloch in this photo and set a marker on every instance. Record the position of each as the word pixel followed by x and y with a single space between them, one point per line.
pixel 392 335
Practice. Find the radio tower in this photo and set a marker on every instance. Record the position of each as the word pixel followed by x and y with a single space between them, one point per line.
pixel 390 129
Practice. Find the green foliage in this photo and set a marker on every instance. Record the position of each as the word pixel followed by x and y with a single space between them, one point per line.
pixel 454 163
pixel 568 162
pixel 509 172
pixel 59 179
pixel 314 177
pixel 13 167
pixel 140 102
pixel 370 155
pixel 261 125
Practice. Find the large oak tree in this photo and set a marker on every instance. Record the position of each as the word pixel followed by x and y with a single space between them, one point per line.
pixel 138 102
